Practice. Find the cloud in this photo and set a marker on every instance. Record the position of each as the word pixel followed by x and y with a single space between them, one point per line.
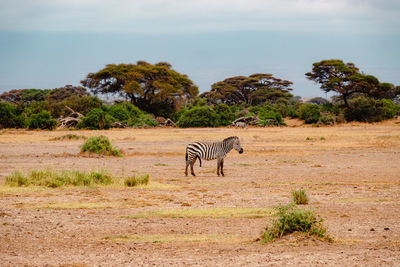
pixel 188 16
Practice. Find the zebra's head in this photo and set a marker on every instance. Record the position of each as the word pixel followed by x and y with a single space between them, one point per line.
pixel 237 146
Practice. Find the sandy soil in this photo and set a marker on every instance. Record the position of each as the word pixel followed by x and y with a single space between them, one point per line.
pixel 350 172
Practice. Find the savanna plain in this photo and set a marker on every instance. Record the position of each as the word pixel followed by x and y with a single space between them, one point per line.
pixel 350 172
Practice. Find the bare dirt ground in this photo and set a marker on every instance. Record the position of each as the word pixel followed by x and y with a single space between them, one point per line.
pixel 350 172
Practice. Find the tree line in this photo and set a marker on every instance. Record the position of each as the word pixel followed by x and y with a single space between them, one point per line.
pixel 144 91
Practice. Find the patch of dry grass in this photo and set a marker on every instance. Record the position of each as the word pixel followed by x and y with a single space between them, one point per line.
pixel 180 238
pixel 355 200
pixel 204 213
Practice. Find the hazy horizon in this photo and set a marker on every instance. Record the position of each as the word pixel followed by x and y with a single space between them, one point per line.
pixel 47 44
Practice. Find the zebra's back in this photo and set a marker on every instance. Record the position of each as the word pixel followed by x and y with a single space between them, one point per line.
pixel 205 150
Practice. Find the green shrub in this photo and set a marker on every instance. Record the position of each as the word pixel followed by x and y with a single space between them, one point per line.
pixel 120 112
pixel 299 197
pixel 327 119
pixel 224 114
pixel 267 114
pixel 96 119
pixel 198 117
pixel 9 117
pixel 42 120
pixel 128 113
pixel 290 219
pixel 134 181
pixel 68 137
pixel 310 113
pixel 53 179
pixel 370 110
pixel 17 179
pixel 99 145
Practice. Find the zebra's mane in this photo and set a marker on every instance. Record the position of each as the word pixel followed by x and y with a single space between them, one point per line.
pixel 231 137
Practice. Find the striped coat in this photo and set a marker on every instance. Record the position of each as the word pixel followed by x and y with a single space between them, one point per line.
pixel 210 151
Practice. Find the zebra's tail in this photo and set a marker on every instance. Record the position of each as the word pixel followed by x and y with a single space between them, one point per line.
pixel 199 159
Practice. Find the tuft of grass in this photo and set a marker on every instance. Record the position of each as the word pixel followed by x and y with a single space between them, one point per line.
pixel 49 178
pixel 300 197
pixel 160 164
pixel 100 145
pixel 290 219
pixel 68 137
pixel 204 213
pixel 135 181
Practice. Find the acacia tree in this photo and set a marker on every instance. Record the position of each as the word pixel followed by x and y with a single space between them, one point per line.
pixel 154 88
pixel 346 79
pixel 24 95
pixel 254 89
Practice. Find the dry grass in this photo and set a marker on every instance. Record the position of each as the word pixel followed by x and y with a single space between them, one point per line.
pixel 180 238
pixel 204 213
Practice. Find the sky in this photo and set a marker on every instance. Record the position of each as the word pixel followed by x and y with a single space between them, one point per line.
pixel 46 44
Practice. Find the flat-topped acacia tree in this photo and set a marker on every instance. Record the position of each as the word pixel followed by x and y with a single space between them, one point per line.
pixel 254 90
pixel 348 81
pixel 157 88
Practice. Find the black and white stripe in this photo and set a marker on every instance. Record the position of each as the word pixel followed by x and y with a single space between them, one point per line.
pixel 210 151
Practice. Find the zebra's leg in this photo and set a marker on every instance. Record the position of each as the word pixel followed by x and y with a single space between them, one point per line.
pixel 187 165
pixel 191 166
pixel 218 165
pixel 222 167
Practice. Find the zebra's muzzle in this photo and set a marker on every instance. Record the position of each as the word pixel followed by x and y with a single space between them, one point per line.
pixel 241 151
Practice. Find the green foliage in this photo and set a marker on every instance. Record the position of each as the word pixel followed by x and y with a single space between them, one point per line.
pixel 49 178
pixel 62 93
pixel 100 145
pixel 290 219
pixel 29 95
pixel 9 117
pixel 198 117
pixel 152 88
pixel 310 113
pixel 119 112
pixel 128 113
pixel 267 114
pixel 225 114
pixel 96 119
pixel 135 181
pixel 254 90
pixel 370 110
pixel 300 197
pixel 347 80
pixel 68 137
pixel 42 120
pixel 327 119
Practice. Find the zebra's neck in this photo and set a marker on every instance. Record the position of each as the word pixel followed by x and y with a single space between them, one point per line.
pixel 227 145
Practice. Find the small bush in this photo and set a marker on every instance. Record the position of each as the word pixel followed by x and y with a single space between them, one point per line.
pixel 310 113
pixel 299 197
pixel 68 137
pixel 128 113
pixel 17 179
pixel 134 181
pixel 267 114
pixel 100 145
pixel 198 117
pixel 370 110
pixel 42 120
pixel 290 219
pixel 53 179
pixel 9 117
pixel 96 119
pixel 327 119
pixel 224 114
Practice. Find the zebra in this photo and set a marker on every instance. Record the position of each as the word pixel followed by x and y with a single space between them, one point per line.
pixel 210 151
